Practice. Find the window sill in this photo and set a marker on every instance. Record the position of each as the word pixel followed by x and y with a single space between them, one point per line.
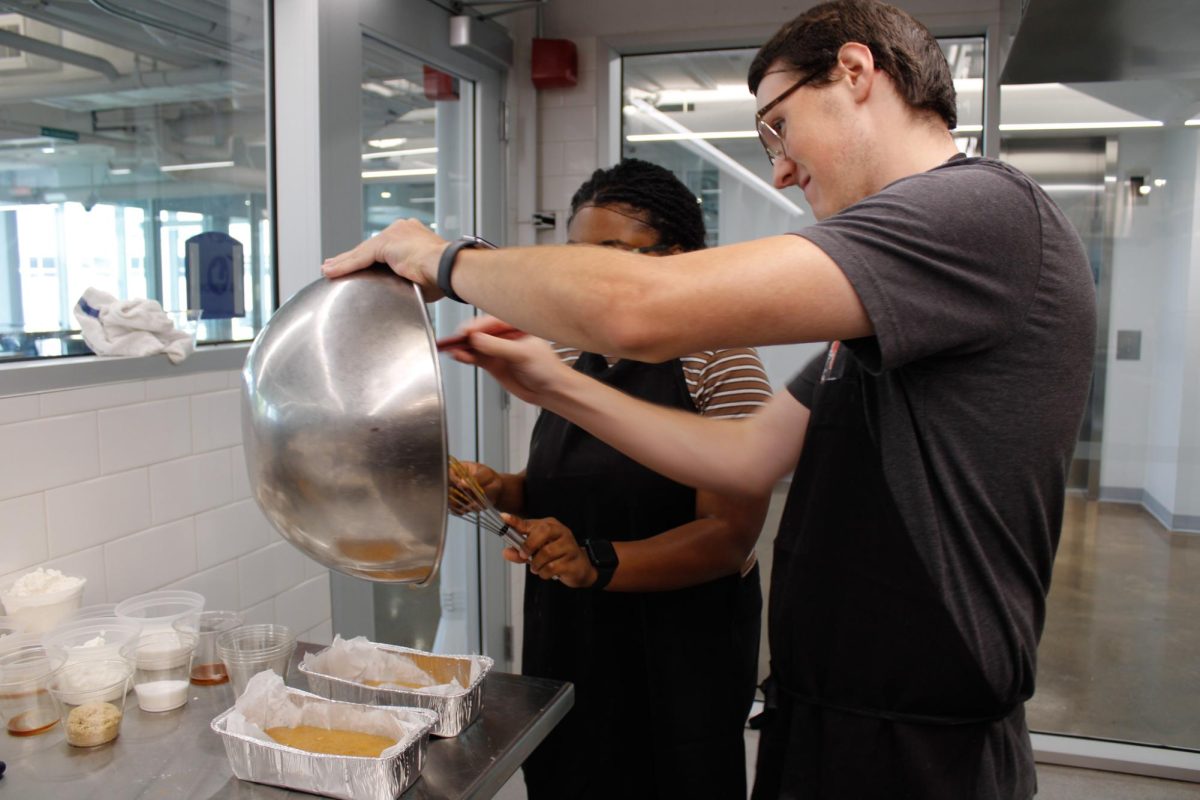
pixel 48 375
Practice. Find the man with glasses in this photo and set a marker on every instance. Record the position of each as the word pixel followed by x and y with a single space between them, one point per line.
pixel 914 554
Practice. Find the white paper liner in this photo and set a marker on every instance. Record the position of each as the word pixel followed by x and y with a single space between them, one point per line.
pixel 267 703
pixel 361 660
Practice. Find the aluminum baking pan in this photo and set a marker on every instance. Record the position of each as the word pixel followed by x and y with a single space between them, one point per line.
pixel 348 777
pixel 455 710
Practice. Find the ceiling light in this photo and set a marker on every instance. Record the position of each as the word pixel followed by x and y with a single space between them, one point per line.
pixel 398 173
pixel 967 129
pixel 120 171
pixel 1195 121
pixel 396 142
pixel 1079 126
pixel 690 136
pixel 386 195
pixel 378 88
pixel 1143 190
pixel 723 93
pixel 416 151
pixel 197 165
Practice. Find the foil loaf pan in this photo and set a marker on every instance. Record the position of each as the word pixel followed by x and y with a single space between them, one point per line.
pixel 456 708
pixel 348 777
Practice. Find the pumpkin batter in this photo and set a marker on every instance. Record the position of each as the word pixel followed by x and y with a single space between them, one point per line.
pixel 331 741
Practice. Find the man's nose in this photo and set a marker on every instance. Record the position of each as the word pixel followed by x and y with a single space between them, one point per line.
pixel 783 172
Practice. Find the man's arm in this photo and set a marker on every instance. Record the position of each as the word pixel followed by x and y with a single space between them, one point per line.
pixel 769 291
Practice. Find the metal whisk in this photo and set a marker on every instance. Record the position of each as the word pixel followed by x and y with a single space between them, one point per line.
pixel 469 501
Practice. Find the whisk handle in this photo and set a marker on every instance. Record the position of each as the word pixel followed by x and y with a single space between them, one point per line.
pixel 513 537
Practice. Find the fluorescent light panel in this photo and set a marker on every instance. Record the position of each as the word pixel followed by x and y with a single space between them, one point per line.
pixel 676 137
pixel 397 173
pixel 198 165
pixel 416 151
pixel 1193 122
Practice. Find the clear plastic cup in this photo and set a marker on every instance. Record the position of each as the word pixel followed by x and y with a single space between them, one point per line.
pixel 207 667
pixel 90 696
pixel 97 611
pixel 10 627
pixel 162 664
pixel 25 703
pixel 157 611
pixel 251 649
pixel 98 639
pixel 39 613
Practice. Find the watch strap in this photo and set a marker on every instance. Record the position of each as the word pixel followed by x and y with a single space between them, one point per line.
pixel 446 266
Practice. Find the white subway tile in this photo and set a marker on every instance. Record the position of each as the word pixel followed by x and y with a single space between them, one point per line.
pixel 321 634
pixel 22 532
pixel 190 485
pixel 556 191
pixel 87 564
pixel 551 160
pixel 144 433
pixel 581 95
pixel 18 408
pixel 241 480
pixel 579 158
pixel 48 452
pixel 150 559
pixel 219 586
pixel 267 572
pixel 585 49
pixel 216 420
pixel 260 613
pixel 231 531
pixel 183 385
pixel 87 514
pixel 72 401
pixel 568 124
pixel 304 606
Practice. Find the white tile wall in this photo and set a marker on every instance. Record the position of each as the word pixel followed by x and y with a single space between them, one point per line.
pixel 567 137
pixel 142 485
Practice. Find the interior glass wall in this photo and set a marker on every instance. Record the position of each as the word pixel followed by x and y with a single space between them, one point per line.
pixel 1120 654
pixel 126 129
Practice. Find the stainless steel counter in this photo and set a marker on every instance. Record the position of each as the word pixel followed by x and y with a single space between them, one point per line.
pixel 175 755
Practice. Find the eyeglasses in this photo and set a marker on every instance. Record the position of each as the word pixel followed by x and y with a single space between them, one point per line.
pixel 772 140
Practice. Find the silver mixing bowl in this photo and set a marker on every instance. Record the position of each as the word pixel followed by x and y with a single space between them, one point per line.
pixel 344 427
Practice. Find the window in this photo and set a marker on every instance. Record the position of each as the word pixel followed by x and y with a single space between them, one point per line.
pixel 147 127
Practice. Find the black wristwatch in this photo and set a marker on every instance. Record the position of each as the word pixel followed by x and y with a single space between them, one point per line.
pixel 446 263
pixel 603 556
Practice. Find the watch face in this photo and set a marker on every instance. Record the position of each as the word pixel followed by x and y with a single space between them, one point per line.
pixel 601 553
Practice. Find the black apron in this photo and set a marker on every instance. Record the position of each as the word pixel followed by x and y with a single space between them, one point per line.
pixel 663 680
pixel 876 696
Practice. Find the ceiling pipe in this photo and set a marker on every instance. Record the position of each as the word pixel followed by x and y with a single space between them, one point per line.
pixel 59 53
pixel 18 93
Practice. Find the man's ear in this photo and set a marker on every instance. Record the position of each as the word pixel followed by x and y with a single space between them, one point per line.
pixel 857 66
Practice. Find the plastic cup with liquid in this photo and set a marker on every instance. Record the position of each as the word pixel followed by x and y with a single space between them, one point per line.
pixel 207 667
pixel 162 668
pixel 26 706
pixel 251 649
pixel 90 696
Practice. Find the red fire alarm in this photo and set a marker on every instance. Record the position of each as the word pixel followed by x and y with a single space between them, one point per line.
pixel 555 64
pixel 439 85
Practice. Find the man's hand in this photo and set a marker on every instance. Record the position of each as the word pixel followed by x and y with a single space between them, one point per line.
pixel 553 553
pixel 527 366
pixel 407 246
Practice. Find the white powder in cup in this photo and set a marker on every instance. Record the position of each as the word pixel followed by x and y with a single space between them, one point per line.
pixel 43 581
pixel 161 695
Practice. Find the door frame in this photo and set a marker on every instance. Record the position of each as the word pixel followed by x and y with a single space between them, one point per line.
pixel 316 119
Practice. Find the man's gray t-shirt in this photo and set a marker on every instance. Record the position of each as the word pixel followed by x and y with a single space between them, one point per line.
pixel 983 306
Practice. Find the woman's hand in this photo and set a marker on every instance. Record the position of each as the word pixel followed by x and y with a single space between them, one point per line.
pixel 552 552
pixel 526 366
pixel 407 246
pixel 461 497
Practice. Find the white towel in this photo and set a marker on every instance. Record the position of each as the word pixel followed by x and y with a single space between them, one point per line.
pixel 113 327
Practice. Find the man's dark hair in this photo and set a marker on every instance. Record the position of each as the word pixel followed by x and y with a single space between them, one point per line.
pixel 669 206
pixel 901 47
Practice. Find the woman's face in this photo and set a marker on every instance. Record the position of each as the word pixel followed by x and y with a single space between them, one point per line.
pixel 618 226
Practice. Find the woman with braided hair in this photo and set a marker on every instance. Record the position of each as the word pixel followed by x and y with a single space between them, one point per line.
pixel 644 592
